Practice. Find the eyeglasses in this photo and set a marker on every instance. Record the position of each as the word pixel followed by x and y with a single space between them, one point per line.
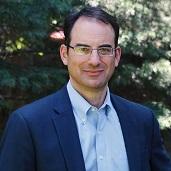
pixel 86 50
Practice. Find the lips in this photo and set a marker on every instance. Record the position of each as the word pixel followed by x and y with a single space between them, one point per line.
pixel 93 72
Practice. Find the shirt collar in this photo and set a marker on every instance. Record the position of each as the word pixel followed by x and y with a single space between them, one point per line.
pixel 81 106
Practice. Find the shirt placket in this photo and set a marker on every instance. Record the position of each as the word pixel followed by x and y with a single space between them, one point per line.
pixel 100 142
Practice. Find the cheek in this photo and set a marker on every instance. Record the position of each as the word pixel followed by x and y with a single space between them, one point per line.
pixel 110 63
pixel 74 65
pixel 76 62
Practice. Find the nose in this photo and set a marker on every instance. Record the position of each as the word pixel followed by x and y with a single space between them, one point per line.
pixel 94 58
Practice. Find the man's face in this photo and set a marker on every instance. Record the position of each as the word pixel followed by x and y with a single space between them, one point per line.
pixel 90 72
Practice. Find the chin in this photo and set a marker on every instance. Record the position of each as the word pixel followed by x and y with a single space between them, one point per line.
pixel 96 85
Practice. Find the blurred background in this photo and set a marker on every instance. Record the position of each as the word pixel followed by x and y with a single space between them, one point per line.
pixel 30 67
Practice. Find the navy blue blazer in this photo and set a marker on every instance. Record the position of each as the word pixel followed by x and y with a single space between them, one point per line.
pixel 43 136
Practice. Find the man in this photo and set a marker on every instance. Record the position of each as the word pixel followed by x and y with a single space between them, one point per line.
pixel 83 127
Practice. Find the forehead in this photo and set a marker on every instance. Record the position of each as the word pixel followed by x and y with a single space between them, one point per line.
pixel 92 31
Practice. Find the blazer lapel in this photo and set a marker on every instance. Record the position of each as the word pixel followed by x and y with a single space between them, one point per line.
pixel 129 128
pixel 66 128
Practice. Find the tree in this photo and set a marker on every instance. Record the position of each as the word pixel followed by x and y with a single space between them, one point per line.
pixel 25 26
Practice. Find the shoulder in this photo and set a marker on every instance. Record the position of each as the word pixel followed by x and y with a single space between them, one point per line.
pixel 138 116
pixel 125 103
pixel 41 107
pixel 132 109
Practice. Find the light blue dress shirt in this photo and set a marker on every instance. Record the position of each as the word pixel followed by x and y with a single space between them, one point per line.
pixel 100 134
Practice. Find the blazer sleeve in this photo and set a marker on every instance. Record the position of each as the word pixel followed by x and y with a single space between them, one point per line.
pixel 160 161
pixel 16 148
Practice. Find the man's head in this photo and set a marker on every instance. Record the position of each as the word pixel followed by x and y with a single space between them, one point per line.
pixel 92 12
pixel 90 52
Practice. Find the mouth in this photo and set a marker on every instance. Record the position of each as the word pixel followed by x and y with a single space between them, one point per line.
pixel 93 73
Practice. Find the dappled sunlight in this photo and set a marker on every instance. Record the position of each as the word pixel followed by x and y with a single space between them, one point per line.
pixel 165 121
pixel 163 68
pixel 163 114
pixel 18 44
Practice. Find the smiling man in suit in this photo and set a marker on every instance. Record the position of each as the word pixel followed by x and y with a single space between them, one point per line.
pixel 83 127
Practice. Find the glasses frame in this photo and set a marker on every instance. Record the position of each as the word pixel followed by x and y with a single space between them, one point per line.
pixel 73 47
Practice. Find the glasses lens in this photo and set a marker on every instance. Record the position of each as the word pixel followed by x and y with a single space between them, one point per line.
pixel 82 50
pixel 104 51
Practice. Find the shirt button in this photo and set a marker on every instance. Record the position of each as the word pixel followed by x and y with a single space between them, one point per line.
pixel 94 109
pixel 101 157
pixel 83 122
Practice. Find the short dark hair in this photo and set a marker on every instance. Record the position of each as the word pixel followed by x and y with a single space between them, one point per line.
pixel 93 12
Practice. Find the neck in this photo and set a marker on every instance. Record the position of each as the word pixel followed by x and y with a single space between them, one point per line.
pixel 95 96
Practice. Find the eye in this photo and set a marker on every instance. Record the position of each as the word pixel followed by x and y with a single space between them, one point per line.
pixel 82 50
pixel 105 51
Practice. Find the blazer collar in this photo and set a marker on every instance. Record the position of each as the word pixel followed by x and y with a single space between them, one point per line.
pixel 66 128
pixel 129 127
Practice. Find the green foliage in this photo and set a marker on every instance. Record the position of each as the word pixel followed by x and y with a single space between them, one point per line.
pixel 163 113
pixel 6 79
pixel 26 24
pixel 145 30
pixel 35 80
pixel 158 74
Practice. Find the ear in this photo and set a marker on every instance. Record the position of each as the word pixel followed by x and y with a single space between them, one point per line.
pixel 64 54
pixel 117 56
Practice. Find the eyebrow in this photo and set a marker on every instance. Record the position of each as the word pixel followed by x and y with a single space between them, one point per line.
pixel 105 45
pixel 85 45
pixel 81 44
